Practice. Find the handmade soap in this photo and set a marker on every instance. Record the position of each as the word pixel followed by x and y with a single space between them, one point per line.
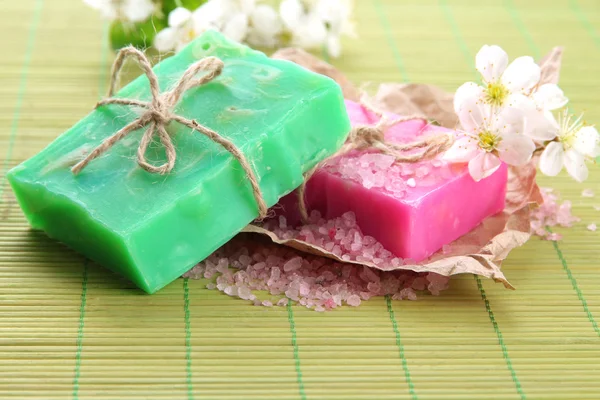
pixel 412 209
pixel 151 228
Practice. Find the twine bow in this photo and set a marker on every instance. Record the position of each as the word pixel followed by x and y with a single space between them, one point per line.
pixel 159 113
pixel 364 137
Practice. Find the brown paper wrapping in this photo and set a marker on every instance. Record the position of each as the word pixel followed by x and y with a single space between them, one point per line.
pixel 482 250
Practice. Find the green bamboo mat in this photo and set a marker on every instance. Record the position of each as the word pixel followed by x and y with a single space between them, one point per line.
pixel 73 330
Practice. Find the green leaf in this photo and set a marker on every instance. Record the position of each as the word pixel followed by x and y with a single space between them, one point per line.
pixel 139 34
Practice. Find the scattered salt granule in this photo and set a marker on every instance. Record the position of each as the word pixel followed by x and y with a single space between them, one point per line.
pixel 315 282
pixel 592 227
pixel 587 193
pixel 597 208
pixel 379 172
pixel 341 236
pixel 551 213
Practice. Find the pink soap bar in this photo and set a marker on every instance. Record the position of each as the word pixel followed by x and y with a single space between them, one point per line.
pixel 412 209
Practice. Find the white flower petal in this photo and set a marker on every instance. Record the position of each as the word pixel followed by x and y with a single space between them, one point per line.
pixel 108 10
pixel 469 90
pixel 265 21
pixel 334 47
pixel 179 17
pixel 541 126
pixel 575 165
pixel 473 115
pixel 515 149
pixel 137 10
pixel 521 75
pixel 551 160
pixel 166 40
pixel 550 97
pixel 491 61
pixel 462 150
pixel 311 35
pixel 508 120
pixel 209 14
pixel 237 27
pixel 291 12
pixel 587 141
pixel 533 122
pixel 483 165
pixel 337 14
pixel 246 6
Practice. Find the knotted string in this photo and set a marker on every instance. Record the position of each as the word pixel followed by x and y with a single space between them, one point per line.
pixel 364 137
pixel 159 113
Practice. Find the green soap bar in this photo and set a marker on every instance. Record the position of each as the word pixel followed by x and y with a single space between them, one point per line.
pixel 152 228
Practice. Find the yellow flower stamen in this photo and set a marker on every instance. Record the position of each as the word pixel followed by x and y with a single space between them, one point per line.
pixel 488 141
pixel 496 94
pixel 568 130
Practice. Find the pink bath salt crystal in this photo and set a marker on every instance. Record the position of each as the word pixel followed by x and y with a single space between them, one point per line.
pixel 293 264
pixel 408 293
pixel 275 275
pixel 419 283
pixel 259 265
pixel 587 193
pixel 223 265
pixel 293 294
pixel 437 283
pixel 304 289
pixel 438 204
pixel 329 303
pixel 245 293
pixel 374 287
pixel 551 213
pixel 282 302
pixel 267 303
pixel 337 250
pixel 321 283
pixel 231 290
pixel 211 286
pixel 365 295
pixel 353 300
pixel 368 275
pixel 245 260
pixel 555 237
pixel 592 227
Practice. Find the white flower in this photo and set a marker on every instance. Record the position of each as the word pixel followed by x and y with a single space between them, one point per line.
pixel 181 30
pixel 303 23
pixel 317 23
pixel 575 142
pixel 501 81
pixel 265 26
pixel 490 136
pixel 235 17
pixel 128 10
pixel 336 14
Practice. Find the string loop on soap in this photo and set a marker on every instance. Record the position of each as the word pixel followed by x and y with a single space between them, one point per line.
pixel 159 113
pixel 363 137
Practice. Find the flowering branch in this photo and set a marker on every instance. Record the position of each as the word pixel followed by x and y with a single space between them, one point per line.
pixel 510 117
pixel 169 25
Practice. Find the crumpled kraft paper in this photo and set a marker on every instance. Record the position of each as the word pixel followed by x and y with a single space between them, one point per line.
pixel 482 250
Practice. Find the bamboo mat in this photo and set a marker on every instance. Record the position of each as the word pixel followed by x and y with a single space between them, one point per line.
pixel 69 330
